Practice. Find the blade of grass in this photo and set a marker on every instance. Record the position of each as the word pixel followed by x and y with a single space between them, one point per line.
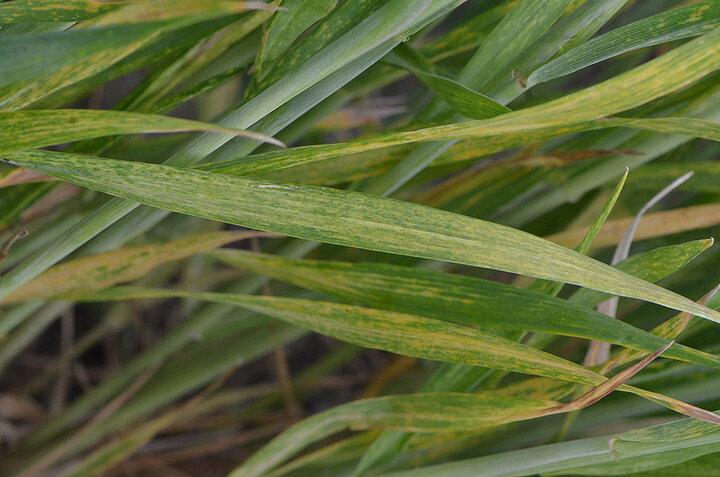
pixel 425 412
pixel 355 219
pixel 31 129
pixel 96 272
pixel 36 11
pixel 61 88
pixel 651 266
pixel 462 99
pixel 26 58
pixel 511 129
pixel 569 455
pixel 285 27
pixel 447 297
pixel 163 10
pixel 682 22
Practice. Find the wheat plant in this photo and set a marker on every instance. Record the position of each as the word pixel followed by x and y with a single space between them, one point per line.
pixel 359 237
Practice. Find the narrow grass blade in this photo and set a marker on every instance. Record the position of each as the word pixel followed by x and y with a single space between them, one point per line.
pixel 651 266
pixel 427 412
pixel 164 10
pixel 36 11
pixel 355 219
pixel 452 298
pixel 21 130
pixel 84 72
pixel 96 272
pixel 507 134
pixel 598 224
pixel 50 52
pixel 395 332
pixel 566 456
pixel 285 27
pixel 462 99
pixel 683 22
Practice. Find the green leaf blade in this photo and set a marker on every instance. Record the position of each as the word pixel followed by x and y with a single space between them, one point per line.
pixel 350 219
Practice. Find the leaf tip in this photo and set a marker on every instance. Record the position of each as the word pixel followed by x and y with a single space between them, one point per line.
pixel 709 295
